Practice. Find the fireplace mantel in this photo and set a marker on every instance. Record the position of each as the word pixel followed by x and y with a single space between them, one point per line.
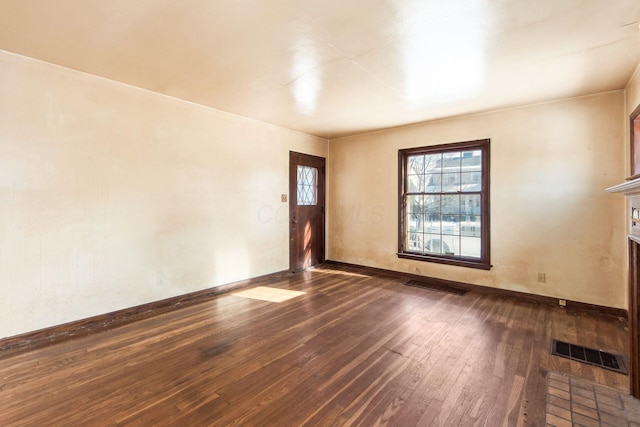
pixel 631 191
pixel 628 188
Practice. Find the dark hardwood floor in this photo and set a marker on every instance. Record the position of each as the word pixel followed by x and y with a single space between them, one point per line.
pixel 354 350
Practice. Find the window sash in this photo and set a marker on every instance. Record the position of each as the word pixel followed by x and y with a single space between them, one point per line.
pixel 457 233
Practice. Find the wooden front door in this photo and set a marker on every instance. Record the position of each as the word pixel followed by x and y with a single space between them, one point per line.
pixel 306 210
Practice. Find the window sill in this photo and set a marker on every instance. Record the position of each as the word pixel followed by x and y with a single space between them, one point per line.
pixel 450 261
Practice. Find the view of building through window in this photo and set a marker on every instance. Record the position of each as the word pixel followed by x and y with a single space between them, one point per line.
pixel 442 199
pixel 441 218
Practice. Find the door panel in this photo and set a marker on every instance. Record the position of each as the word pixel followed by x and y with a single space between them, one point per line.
pixel 306 210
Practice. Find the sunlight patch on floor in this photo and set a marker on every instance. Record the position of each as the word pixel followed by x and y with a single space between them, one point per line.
pixel 265 293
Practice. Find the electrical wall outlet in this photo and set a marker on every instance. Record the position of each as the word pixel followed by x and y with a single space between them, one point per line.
pixel 283 198
pixel 542 277
pixel 562 302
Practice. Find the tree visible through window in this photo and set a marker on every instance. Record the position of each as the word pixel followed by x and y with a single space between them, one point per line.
pixel 444 203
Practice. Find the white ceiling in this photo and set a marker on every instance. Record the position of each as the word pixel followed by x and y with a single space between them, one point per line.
pixel 338 67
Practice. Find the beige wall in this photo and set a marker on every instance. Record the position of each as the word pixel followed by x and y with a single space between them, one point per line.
pixel 112 196
pixel 549 211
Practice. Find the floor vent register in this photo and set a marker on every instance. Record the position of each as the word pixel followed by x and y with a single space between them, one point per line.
pixel 600 358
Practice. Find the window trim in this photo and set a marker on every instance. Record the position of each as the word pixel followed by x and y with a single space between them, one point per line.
pixel 483 262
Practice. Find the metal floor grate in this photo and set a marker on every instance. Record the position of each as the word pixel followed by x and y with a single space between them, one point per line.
pixel 435 287
pixel 588 355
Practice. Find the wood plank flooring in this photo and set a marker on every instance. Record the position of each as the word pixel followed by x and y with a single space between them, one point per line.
pixel 354 349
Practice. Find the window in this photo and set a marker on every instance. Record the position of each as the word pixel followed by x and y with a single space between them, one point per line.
pixel 307 185
pixel 444 204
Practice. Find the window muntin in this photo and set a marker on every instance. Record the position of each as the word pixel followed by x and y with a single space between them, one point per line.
pixel 307 186
pixel 444 203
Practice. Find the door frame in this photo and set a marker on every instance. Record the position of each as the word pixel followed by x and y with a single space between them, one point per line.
pixel 293 196
pixel 634 316
pixel 634 261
